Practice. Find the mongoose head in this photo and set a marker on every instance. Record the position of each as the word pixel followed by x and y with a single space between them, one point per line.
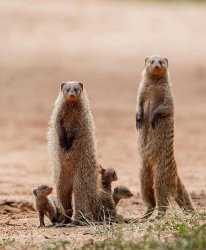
pixel 42 190
pixel 122 192
pixel 71 90
pixel 111 174
pixel 156 65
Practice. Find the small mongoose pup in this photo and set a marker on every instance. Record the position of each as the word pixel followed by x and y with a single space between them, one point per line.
pixel 121 192
pixel 155 125
pixel 72 147
pixel 108 176
pixel 46 204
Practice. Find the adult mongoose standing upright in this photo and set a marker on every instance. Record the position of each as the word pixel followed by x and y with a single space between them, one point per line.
pixel 72 148
pixel 46 204
pixel 155 124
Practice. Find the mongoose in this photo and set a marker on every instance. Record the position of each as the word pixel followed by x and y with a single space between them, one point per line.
pixel 72 147
pixel 155 125
pixel 46 204
pixel 108 176
pixel 121 192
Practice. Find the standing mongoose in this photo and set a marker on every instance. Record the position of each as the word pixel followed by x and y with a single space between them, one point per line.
pixel 121 192
pixel 155 124
pixel 72 147
pixel 46 204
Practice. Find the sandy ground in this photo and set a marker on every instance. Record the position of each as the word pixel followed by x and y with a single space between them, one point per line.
pixel 103 44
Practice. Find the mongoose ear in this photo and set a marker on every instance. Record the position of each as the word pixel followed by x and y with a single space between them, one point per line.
pixel 146 60
pixel 114 176
pixel 103 171
pixel 35 192
pixel 166 61
pixel 81 85
pixel 62 85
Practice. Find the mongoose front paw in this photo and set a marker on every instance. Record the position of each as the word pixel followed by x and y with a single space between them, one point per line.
pixel 154 120
pixel 63 143
pixel 69 141
pixel 138 123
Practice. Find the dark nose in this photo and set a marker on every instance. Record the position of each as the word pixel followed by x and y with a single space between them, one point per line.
pixel 156 66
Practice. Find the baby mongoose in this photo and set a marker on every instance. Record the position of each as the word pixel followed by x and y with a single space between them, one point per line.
pixel 72 147
pixel 155 125
pixel 46 204
pixel 108 176
pixel 121 192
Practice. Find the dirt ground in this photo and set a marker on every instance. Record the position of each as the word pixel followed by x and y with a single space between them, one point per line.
pixel 102 44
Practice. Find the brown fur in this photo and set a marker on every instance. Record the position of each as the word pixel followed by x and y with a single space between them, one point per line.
pixel 75 164
pixel 46 204
pixel 155 124
pixel 108 176
pixel 121 192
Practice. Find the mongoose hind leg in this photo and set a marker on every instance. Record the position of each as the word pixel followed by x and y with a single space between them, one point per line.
pixel 162 197
pixel 147 191
pixel 182 197
pixel 149 212
pixel 64 195
pixel 41 219
pixel 53 218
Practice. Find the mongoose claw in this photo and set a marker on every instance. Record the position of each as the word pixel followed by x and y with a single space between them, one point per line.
pixel 138 123
pixel 63 143
pixel 139 120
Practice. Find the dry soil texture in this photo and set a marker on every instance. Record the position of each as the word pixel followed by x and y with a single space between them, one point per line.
pixel 102 44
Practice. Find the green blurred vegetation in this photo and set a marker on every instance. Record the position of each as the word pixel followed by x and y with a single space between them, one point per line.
pixel 187 238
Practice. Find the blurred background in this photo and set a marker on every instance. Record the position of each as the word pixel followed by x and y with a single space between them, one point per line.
pixel 102 44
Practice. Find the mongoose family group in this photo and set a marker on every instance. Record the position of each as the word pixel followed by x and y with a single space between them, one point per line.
pixel 46 204
pixel 77 173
